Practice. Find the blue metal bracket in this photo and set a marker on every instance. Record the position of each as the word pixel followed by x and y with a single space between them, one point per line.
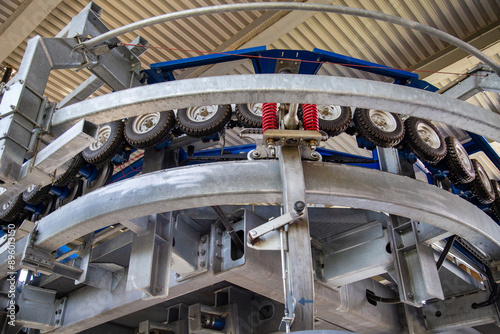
pixel 160 72
pixel 266 63
pixel 400 76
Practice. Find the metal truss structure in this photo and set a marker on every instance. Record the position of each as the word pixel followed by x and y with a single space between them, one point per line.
pixel 232 247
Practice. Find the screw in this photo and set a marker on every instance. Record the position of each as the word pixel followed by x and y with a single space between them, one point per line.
pixel 202 252
pixel 218 243
pixel 410 295
pixel 203 239
pixel 217 255
pixel 299 206
pixel 255 154
pixel 219 231
pixel 202 264
pixel 12 107
pixel 177 275
pixel 315 155
pixel 158 288
pixel 21 81
pixel 253 233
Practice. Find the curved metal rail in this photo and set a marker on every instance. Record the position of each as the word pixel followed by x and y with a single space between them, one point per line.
pixel 278 88
pixel 297 6
pixel 260 182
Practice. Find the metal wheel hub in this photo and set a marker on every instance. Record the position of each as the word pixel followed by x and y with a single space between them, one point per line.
pixel 5 206
pixel 383 120
pixel 329 112
pixel 428 135
pixel 485 180
pixel 255 108
pixel 464 158
pixel 102 136
pixel 203 113
pixel 145 123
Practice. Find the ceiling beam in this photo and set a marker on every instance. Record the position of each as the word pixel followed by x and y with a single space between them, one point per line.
pixel 265 30
pixel 450 55
pixel 26 18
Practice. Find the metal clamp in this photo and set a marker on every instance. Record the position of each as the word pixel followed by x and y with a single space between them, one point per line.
pixel 277 223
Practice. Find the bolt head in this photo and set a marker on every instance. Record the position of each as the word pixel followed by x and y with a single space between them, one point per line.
pixel 202 264
pixel 410 295
pixel 299 206
pixel 253 232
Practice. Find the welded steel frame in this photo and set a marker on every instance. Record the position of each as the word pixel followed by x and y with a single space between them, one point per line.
pixel 214 184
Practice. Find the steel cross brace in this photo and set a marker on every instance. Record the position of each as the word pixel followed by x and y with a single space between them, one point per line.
pixel 275 224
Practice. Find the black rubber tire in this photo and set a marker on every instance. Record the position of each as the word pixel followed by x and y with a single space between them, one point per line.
pixel 10 211
pixel 460 173
pixel 423 150
pixel 103 176
pixel 336 126
pixel 333 127
pixel 154 136
pixel 246 117
pixel 495 206
pixel 75 191
pixel 478 186
pixel 36 195
pixel 74 166
pixel 202 129
pixel 110 146
pixel 366 128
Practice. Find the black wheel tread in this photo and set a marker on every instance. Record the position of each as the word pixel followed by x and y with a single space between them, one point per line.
pixel 151 138
pixel 212 126
pixel 420 148
pixel 109 149
pixel 378 137
pixel 13 210
pixel 74 166
pixel 246 117
pixel 478 188
pixel 495 206
pixel 458 173
pixel 37 195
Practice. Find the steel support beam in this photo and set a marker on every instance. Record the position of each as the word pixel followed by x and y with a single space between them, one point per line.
pixel 473 85
pixel 300 269
pixel 213 184
pixel 275 87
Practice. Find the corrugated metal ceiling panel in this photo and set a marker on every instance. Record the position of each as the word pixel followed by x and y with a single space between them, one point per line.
pixel 375 41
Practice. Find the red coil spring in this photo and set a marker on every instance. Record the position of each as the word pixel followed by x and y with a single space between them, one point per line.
pixel 269 116
pixel 310 117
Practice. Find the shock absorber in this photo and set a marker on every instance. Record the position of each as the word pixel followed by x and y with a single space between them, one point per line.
pixel 269 116
pixel 310 117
